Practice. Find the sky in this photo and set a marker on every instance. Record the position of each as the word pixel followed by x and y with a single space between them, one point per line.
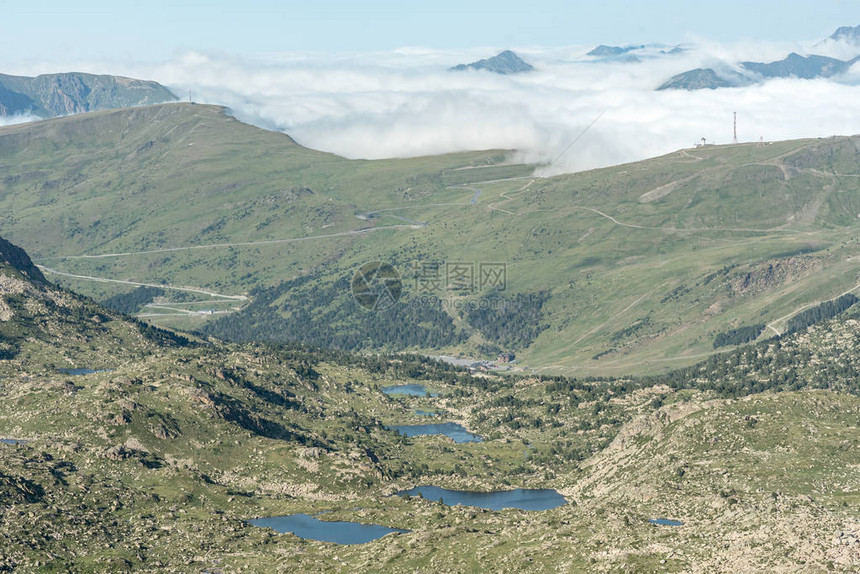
pixel 371 79
pixel 158 29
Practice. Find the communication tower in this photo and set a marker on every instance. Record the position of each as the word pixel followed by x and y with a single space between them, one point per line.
pixel 736 128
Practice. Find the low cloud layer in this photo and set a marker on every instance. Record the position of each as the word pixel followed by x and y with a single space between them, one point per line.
pixel 16 119
pixel 405 102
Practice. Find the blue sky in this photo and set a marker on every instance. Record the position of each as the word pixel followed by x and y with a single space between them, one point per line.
pixel 159 29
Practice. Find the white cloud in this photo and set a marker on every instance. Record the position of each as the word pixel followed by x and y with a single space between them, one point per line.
pixel 16 119
pixel 405 102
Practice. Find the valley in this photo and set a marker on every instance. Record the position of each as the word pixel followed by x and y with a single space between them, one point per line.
pixel 131 448
pixel 626 270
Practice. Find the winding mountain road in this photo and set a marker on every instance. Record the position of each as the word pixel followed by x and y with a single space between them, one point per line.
pixel 136 284
pixel 234 244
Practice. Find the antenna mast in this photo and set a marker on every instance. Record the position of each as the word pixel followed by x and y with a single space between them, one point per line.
pixel 736 128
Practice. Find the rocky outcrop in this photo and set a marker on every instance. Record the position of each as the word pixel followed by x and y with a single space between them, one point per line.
pixel 15 257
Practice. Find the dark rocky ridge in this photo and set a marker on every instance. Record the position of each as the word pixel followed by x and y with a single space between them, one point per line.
pixel 15 257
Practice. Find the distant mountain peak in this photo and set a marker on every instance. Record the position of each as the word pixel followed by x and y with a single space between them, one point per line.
pixel 847 33
pixel 505 62
pixel 795 65
pixel 792 66
pixel 698 79
pixel 674 51
pixel 604 51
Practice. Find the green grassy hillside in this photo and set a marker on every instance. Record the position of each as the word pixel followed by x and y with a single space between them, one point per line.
pixel 630 269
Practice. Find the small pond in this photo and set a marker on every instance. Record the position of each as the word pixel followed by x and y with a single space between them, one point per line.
pixel 665 522
pixel 410 390
pixel 421 413
pixel 76 372
pixel 521 498
pixel 13 441
pixel 339 532
pixel 452 430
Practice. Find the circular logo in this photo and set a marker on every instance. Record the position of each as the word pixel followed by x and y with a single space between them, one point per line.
pixel 377 286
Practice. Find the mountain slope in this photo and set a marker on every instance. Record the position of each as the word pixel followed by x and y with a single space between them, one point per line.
pixel 796 66
pixel 727 471
pixel 158 464
pixel 505 62
pixel 792 66
pixel 43 326
pixel 633 268
pixel 846 33
pixel 698 79
pixel 51 95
